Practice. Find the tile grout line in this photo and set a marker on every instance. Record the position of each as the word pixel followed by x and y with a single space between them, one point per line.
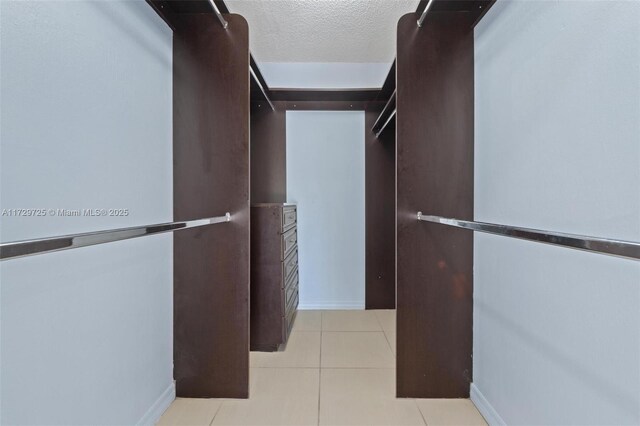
pixel 421 413
pixel 385 336
pixel 216 413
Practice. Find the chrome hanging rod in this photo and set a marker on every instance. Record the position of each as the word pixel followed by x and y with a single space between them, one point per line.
pixel 627 249
pixel 424 13
pixel 264 93
pixel 387 106
pixel 223 22
pixel 47 245
pixel 393 114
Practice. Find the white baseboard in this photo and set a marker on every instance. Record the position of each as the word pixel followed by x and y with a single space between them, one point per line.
pixel 330 306
pixel 486 409
pixel 163 402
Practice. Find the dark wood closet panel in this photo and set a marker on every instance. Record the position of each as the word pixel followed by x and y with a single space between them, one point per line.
pixel 435 87
pixel 211 177
pixel 380 202
pixel 268 153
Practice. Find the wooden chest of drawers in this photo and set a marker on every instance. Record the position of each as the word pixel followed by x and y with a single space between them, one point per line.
pixel 274 274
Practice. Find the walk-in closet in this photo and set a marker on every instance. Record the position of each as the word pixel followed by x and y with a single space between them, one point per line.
pixel 305 212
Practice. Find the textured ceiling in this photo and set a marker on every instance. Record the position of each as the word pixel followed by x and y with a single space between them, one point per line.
pixel 322 30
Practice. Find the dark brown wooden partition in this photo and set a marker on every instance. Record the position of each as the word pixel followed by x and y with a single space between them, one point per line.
pixel 435 175
pixel 380 201
pixel 211 177
pixel 268 153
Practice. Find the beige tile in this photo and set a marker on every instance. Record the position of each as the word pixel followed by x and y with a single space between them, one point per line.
pixel 363 383
pixel 302 351
pixel 387 319
pixel 458 412
pixel 364 397
pixel 278 396
pixel 356 350
pixel 294 412
pixel 190 411
pixel 283 382
pixel 308 321
pixel 350 321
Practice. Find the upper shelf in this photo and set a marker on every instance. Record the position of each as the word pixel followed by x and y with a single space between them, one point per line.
pixel 476 7
pixel 170 10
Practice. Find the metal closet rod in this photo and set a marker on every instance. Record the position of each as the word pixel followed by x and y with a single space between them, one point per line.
pixel 24 248
pixel 382 113
pixel 424 13
pixel 620 248
pixel 393 114
pixel 264 93
pixel 224 23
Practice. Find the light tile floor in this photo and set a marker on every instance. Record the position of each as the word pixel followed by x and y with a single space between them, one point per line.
pixel 338 369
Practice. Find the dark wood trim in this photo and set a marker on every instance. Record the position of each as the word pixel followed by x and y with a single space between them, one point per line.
pixel 324 95
pixel 211 177
pixel 326 105
pixel 435 122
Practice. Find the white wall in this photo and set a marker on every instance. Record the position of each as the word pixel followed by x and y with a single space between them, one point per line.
pixel 557 331
pixel 325 178
pixel 86 111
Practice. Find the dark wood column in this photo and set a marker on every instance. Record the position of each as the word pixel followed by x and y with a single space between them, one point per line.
pixel 435 175
pixel 380 201
pixel 268 153
pixel 211 177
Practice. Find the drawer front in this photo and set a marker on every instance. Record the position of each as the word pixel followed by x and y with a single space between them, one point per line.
pixel 290 317
pixel 289 217
pixel 290 290
pixel 293 303
pixel 289 241
pixel 290 264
